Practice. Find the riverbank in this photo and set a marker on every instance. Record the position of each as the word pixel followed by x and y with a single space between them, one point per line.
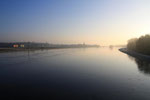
pixel 135 54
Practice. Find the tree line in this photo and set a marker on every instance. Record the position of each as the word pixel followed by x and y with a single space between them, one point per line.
pixel 141 44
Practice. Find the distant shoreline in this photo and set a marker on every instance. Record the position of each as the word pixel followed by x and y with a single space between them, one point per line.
pixel 44 48
pixel 135 54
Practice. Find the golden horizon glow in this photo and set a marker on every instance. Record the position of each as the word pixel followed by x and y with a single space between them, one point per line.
pixel 110 22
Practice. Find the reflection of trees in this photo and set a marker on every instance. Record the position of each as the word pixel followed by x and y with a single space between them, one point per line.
pixel 143 66
pixel 131 58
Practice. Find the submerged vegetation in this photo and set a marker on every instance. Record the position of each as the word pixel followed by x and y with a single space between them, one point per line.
pixel 141 44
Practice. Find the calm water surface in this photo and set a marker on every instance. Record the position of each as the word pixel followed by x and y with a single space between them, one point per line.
pixel 73 74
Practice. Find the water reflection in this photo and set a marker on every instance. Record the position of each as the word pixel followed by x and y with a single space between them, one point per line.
pixel 143 66
pixel 73 74
pixel 111 47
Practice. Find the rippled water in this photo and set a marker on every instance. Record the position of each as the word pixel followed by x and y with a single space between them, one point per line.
pixel 73 74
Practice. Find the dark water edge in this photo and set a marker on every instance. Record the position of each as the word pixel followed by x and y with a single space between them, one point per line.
pixel 135 54
pixel 142 61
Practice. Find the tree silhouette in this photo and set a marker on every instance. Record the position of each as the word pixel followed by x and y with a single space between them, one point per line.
pixel 141 45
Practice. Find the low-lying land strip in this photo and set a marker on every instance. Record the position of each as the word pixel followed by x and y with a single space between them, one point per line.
pixel 135 54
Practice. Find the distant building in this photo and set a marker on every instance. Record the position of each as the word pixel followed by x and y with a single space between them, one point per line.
pixel 42 45
pixel 15 46
pixel 22 45
pixel 18 45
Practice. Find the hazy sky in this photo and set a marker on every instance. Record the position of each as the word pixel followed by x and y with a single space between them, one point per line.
pixel 101 22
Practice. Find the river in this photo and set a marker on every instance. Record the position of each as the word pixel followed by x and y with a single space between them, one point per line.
pixel 73 74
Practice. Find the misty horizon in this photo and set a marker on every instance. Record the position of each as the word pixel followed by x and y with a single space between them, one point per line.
pixel 108 22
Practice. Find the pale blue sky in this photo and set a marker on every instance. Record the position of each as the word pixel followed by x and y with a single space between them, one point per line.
pixel 74 21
